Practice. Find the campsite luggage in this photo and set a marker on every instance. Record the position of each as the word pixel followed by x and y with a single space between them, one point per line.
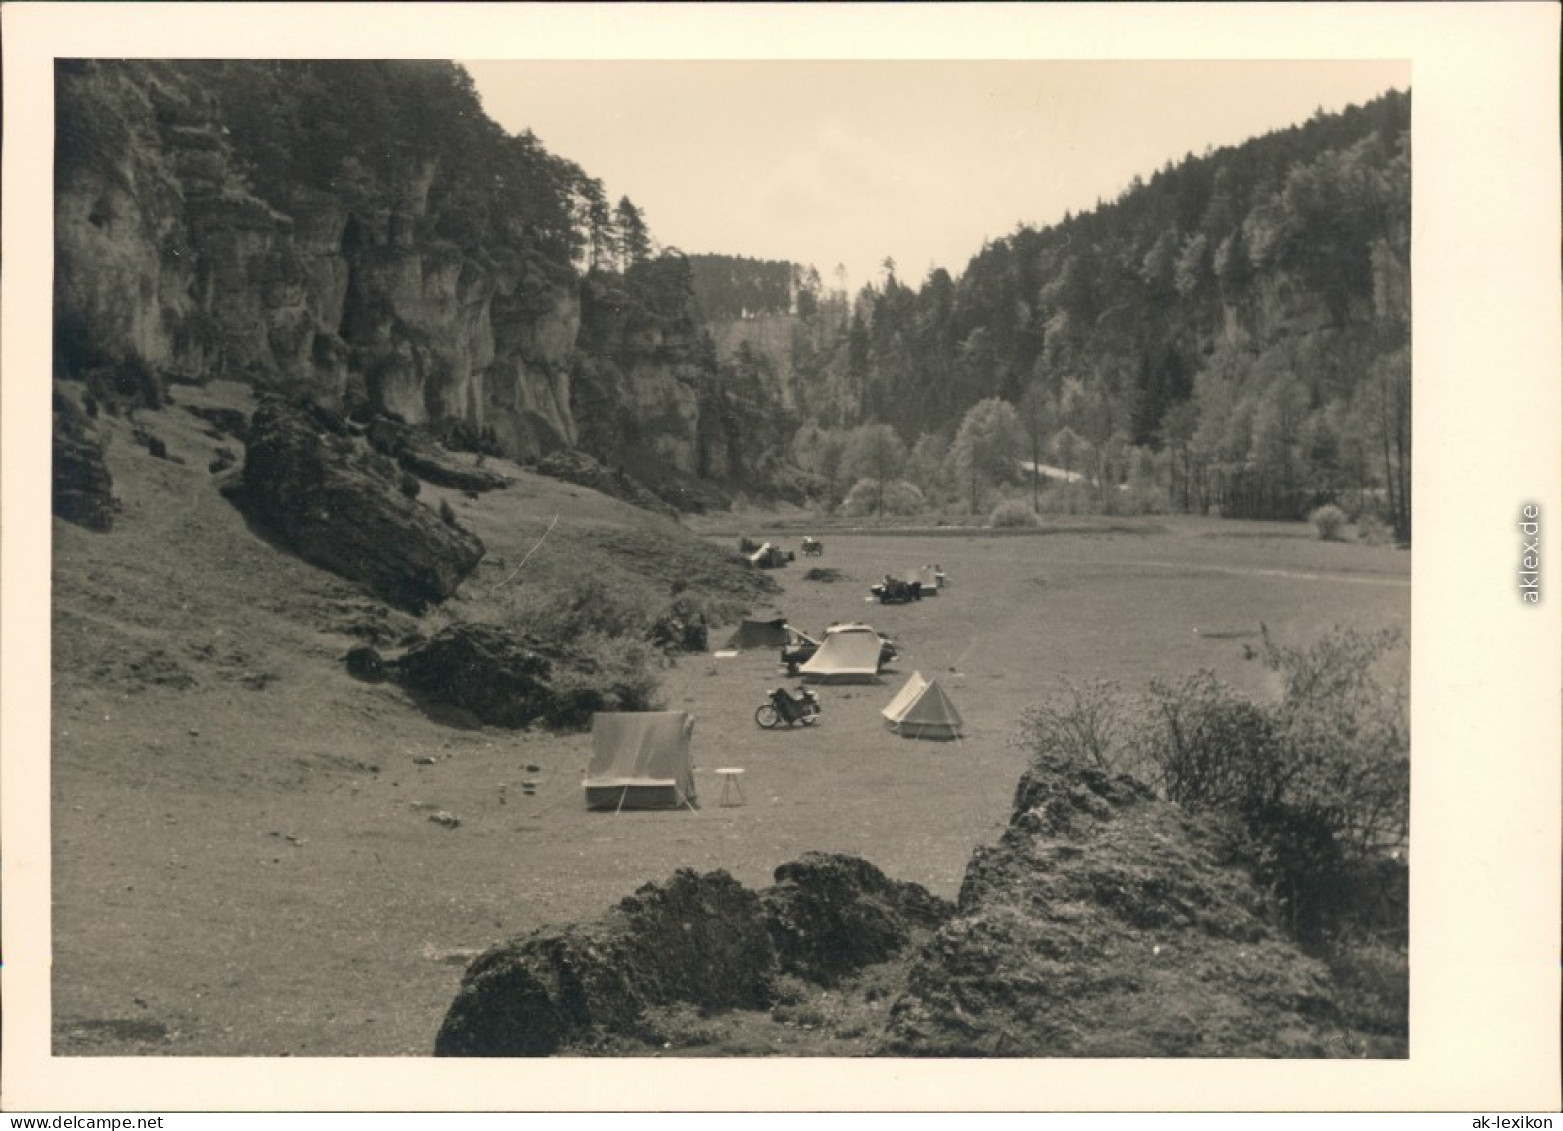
pixel 813 547
pixel 782 706
pixel 640 760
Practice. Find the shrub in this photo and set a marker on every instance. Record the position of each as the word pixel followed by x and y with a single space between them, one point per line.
pixel 1069 498
pixel 1348 734
pixel 410 485
pixel 447 513
pixel 1376 998
pixel 1214 750
pixel 1096 725
pixel 1328 520
pixel 607 662
pixel 1314 789
pixel 615 674
pixel 1144 498
pixel 898 497
pixel 1012 513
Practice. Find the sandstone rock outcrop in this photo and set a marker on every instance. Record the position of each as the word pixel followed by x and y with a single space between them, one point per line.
pixel 702 940
pixel 1103 923
pixel 501 679
pixel 1108 923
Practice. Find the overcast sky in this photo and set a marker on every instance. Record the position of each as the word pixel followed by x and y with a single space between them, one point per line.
pixel 848 162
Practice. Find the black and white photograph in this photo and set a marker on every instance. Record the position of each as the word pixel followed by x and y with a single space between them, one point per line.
pixel 560 549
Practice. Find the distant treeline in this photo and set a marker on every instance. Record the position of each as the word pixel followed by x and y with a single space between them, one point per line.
pixel 1231 333
pixel 1236 328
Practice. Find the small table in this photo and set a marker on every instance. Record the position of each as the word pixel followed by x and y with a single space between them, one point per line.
pixel 732 787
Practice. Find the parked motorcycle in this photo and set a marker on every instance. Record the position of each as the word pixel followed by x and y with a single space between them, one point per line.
pixel 782 706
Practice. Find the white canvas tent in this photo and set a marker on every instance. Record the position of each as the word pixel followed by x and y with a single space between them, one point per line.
pixel 921 709
pixel 849 653
pixel 640 760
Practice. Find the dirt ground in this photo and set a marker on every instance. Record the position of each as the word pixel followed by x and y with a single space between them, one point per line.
pixel 244 860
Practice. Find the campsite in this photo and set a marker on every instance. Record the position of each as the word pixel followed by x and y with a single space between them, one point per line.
pixel 218 767
pixel 433 547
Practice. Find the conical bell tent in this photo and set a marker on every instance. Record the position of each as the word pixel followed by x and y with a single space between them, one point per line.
pixel 921 709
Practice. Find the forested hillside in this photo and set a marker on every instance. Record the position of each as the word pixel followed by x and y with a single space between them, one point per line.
pixel 1231 333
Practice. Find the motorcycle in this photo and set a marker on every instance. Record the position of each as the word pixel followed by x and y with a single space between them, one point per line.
pixel 782 706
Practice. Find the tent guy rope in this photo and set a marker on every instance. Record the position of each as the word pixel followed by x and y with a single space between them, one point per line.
pixel 530 552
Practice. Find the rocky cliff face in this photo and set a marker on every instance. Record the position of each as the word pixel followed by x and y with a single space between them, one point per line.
pixel 165 254
pixel 646 376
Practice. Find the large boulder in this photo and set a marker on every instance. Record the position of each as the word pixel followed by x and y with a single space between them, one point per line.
pixel 699 939
pixel 502 679
pixel 339 506
pixel 831 915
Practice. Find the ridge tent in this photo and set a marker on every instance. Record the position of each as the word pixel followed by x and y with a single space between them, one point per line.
pixel 758 634
pixel 848 653
pixel 640 760
pixel 921 709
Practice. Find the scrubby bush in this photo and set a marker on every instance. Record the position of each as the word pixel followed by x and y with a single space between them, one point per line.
pixel 1013 514
pixel 1372 530
pixel 1213 749
pixel 1097 724
pixel 1328 521
pixel 896 496
pixel 613 665
pixel 1345 720
pixel 410 485
pixel 1314 789
pixel 447 513
pixel 617 674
